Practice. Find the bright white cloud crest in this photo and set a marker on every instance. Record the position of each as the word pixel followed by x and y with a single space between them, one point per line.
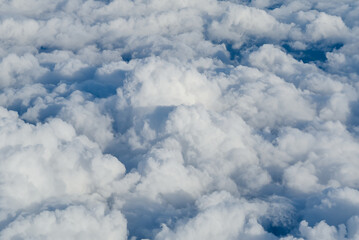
pixel 179 119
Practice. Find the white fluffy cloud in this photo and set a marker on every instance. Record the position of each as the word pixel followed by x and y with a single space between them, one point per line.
pixel 239 21
pixel 49 161
pixel 179 119
pixel 17 70
pixel 221 216
pixel 74 222
pixel 327 27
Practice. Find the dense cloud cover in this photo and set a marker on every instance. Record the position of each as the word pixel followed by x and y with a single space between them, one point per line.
pixel 171 120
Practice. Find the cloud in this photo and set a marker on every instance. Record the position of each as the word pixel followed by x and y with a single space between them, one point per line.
pixel 221 216
pixel 238 22
pixel 179 119
pixel 17 70
pixel 175 86
pixel 327 27
pixel 60 224
pixel 49 161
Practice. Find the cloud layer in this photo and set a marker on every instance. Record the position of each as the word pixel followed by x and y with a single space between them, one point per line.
pixel 164 120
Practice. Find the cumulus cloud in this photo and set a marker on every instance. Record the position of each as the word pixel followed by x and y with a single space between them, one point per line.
pixel 17 70
pixel 179 119
pixel 221 216
pixel 60 224
pixel 239 21
pixel 326 27
pixel 49 160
